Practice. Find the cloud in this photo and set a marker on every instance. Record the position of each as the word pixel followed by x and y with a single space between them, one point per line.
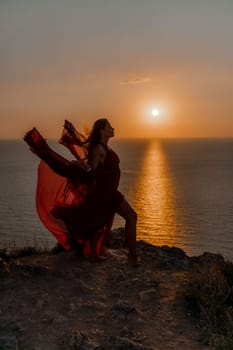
pixel 139 80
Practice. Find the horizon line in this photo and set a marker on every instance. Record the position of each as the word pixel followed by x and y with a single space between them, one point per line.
pixel 139 138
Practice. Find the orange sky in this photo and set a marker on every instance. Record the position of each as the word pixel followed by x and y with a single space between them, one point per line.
pixel 117 59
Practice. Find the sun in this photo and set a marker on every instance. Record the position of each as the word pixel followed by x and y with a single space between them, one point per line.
pixel 155 112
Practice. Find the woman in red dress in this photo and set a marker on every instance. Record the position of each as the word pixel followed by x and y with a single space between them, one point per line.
pixel 77 200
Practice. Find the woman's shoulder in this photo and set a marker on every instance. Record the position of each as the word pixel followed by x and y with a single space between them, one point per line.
pixel 100 147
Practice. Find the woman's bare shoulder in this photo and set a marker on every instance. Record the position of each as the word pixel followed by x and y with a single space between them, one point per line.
pixel 97 156
pixel 99 149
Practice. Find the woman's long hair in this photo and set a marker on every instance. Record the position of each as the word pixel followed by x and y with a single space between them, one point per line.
pixel 95 135
pixel 72 136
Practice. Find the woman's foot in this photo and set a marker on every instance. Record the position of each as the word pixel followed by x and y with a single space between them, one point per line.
pixel 96 258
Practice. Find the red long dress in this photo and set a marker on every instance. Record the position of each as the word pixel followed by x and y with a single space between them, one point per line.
pixel 73 204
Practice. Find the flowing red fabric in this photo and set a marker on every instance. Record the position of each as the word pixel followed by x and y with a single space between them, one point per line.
pixel 54 190
pixel 75 209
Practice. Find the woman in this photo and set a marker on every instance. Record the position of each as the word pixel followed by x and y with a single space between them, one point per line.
pixel 78 200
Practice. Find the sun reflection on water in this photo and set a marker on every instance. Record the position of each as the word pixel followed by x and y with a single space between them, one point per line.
pixel 154 199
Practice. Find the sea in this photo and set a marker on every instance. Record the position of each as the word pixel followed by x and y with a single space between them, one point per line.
pixel 181 189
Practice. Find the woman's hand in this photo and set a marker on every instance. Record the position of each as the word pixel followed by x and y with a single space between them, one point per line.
pixel 83 164
pixel 34 139
pixel 69 126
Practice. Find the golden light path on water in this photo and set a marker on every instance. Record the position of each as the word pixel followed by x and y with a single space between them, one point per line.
pixel 154 199
pixel 180 192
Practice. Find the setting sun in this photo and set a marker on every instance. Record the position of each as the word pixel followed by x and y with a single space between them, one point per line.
pixel 155 112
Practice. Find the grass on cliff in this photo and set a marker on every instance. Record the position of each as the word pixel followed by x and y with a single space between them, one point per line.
pixel 210 300
pixel 18 253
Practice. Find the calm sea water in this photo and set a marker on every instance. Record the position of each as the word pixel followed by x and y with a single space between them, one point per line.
pixel 181 190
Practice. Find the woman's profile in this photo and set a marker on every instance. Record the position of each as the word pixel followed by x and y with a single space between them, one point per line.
pixel 77 200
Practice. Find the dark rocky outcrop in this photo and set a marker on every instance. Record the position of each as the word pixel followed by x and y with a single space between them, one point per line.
pixel 63 301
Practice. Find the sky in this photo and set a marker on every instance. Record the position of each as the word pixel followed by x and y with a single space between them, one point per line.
pixel 86 59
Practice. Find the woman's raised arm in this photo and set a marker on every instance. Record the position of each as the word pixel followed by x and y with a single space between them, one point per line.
pixel 57 163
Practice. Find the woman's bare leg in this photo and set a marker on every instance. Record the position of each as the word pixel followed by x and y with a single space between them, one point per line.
pixel 93 246
pixel 130 216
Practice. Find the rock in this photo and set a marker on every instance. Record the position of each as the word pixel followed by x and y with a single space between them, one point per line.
pixel 9 343
pixel 121 310
pixel 78 340
pixel 151 283
pixel 97 306
pixel 117 238
pixel 173 252
pixel 130 282
pixel 4 268
pixel 41 303
pixel 123 306
pixel 85 286
pixel 148 294
pixel 118 343
pixel 73 340
pixel 29 270
pixel 207 258
pixel 60 319
pixel 117 274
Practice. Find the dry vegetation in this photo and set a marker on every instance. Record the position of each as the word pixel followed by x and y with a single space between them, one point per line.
pixel 210 298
